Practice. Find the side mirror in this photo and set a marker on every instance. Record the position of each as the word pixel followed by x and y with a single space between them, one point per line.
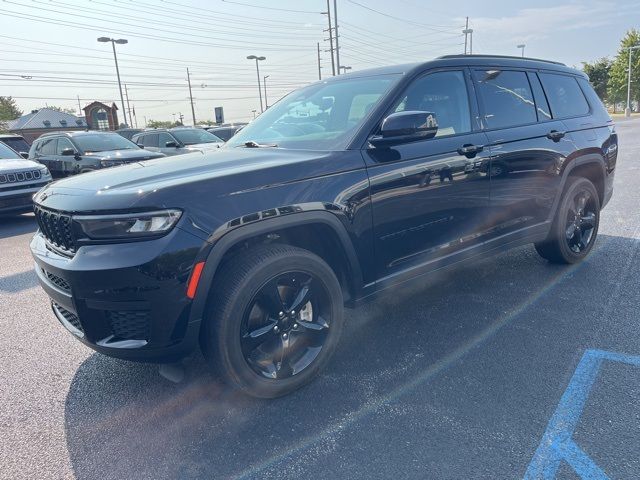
pixel 68 152
pixel 171 144
pixel 24 154
pixel 406 127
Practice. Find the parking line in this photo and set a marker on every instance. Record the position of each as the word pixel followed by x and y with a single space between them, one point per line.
pixel 557 443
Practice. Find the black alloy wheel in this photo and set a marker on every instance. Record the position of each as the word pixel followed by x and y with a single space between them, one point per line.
pixel 274 319
pixel 581 221
pixel 285 325
pixel 575 226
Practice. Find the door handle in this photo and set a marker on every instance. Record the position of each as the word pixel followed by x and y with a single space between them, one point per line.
pixel 469 150
pixel 555 135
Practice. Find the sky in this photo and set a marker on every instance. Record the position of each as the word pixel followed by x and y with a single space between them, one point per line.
pixel 49 54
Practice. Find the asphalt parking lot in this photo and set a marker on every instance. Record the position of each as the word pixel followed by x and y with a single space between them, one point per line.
pixel 499 369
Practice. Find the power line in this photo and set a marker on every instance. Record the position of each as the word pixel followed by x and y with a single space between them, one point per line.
pixel 269 8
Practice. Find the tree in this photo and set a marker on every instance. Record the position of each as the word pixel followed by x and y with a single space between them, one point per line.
pixel 8 111
pixel 598 73
pixel 617 85
pixel 162 124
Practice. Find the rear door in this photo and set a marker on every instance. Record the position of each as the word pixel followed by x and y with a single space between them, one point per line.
pixel 527 147
pixel 46 154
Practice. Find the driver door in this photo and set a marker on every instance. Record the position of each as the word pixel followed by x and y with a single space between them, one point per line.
pixel 429 197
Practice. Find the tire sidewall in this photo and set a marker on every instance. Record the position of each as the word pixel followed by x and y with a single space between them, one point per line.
pixel 227 332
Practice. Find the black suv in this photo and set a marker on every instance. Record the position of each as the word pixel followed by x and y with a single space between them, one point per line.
pixel 344 188
pixel 68 153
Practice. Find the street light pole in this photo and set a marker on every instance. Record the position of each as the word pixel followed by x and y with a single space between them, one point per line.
pixel 521 47
pixel 264 83
pixel 120 41
pixel 193 111
pixel 468 31
pixel 257 59
pixel 627 111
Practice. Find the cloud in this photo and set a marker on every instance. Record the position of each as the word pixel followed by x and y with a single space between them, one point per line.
pixel 539 23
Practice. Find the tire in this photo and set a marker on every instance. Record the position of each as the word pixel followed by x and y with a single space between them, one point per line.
pixel 247 294
pixel 575 226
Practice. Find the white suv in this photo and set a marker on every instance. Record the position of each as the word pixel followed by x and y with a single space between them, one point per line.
pixel 20 179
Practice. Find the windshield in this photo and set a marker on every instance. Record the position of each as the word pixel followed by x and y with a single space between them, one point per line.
pixel 102 142
pixel 322 116
pixel 19 144
pixel 7 153
pixel 192 136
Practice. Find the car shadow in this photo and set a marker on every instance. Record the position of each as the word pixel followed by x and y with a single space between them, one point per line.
pixel 123 420
pixel 14 225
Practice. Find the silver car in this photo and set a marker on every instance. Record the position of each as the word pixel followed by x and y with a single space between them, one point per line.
pixel 175 141
pixel 20 179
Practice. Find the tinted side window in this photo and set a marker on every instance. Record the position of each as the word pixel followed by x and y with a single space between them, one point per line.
pixel 48 146
pixel 445 95
pixel 163 138
pixel 592 96
pixel 506 97
pixel 150 140
pixel 564 95
pixel 62 144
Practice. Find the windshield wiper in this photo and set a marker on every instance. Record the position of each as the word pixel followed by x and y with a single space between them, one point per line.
pixel 252 144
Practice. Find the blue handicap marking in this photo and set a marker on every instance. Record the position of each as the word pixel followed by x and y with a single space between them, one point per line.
pixel 557 443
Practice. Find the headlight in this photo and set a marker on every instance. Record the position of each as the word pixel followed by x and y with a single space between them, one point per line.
pixel 134 225
pixel 110 163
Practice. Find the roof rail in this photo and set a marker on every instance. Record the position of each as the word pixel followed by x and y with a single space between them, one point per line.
pixel 461 55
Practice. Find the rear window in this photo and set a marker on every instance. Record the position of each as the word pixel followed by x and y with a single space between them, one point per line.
pixel 506 98
pixel 564 95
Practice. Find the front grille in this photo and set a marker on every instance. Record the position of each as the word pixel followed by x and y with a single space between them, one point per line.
pixel 56 228
pixel 130 324
pixel 16 177
pixel 59 282
pixel 72 318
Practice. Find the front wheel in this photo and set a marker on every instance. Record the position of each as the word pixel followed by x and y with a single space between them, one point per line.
pixel 575 226
pixel 274 320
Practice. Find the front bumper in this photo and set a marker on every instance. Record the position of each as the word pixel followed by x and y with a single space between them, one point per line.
pixel 18 200
pixel 125 300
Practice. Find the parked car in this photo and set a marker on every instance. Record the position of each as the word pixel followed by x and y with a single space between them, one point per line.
pixel 343 189
pixel 17 143
pixel 69 153
pixel 225 132
pixel 19 180
pixel 128 133
pixel 176 141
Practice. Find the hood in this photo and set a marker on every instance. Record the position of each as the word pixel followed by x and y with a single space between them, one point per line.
pixel 135 154
pixel 19 164
pixel 204 146
pixel 183 180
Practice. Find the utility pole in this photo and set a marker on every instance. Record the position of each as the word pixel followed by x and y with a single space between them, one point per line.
pixel 468 31
pixel 466 27
pixel 126 93
pixel 79 107
pixel 335 25
pixel 264 84
pixel 521 47
pixel 627 111
pixel 193 111
pixel 319 66
pixel 333 63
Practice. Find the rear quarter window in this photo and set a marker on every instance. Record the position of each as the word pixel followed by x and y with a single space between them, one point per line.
pixel 565 96
pixel 592 96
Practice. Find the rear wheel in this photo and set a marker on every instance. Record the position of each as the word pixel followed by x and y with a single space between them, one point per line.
pixel 275 319
pixel 575 226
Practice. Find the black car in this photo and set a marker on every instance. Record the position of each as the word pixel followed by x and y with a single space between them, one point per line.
pixel 345 188
pixel 17 143
pixel 226 132
pixel 128 133
pixel 69 153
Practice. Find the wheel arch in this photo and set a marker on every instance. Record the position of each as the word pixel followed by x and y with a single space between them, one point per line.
pixel 287 228
pixel 590 166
